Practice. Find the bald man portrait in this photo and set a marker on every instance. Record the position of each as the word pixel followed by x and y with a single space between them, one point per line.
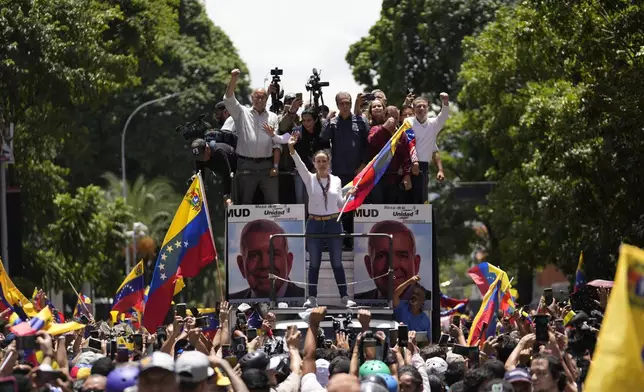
pixel 257 153
pixel 254 264
pixel 406 260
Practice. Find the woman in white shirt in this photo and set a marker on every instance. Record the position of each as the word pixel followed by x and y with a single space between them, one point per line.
pixel 324 204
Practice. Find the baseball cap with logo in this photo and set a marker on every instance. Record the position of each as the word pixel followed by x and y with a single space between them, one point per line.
pixel 194 366
pixel 157 360
pixel 518 375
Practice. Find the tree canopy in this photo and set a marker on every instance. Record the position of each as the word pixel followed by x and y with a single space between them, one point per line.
pixel 417 44
pixel 71 73
pixel 550 110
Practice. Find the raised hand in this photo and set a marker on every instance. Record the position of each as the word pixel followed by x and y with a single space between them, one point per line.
pixel 235 73
pixel 270 131
pixel 390 124
pixel 444 99
pixel 293 140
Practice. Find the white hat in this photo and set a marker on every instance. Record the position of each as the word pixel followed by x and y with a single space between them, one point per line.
pixel 243 307
pixel 193 366
pixel 322 371
pixel 436 365
pixel 159 360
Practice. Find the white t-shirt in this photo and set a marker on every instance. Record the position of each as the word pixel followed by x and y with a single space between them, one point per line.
pixel 426 134
pixel 229 125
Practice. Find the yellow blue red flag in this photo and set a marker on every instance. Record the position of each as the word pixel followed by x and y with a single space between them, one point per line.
pixel 130 292
pixel 618 361
pixel 187 248
pixel 375 169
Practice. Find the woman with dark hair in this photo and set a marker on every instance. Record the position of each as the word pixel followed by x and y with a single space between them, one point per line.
pixel 307 144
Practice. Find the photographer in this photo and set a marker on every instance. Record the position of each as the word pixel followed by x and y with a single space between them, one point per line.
pixel 224 120
pixel 218 156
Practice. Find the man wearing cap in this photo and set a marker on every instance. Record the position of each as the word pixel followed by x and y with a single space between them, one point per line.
pixel 520 379
pixel 220 158
pixel 157 373
pixel 288 119
pixel 193 369
pixel 224 120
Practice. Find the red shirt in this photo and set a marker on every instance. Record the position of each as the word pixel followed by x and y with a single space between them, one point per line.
pixel 400 163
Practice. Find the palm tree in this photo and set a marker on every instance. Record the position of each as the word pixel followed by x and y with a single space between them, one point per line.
pixel 153 203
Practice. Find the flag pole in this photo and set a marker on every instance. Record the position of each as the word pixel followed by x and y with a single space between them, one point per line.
pixel 81 300
pixel 212 236
pixel 348 199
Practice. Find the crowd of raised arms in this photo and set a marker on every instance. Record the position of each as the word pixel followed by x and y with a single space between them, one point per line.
pixel 245 353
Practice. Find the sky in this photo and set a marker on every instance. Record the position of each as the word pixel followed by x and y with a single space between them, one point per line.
pixel 310 34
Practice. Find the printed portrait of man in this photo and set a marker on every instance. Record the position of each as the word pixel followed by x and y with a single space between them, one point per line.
pixel 254 264
pixel 405 259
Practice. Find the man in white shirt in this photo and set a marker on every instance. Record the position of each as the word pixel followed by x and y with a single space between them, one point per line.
pixel 258 155
pixel 424 132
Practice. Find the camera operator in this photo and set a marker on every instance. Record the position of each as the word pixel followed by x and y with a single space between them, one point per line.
pixel 217 153
pixel 257 153
pixel 288 119
pixel 224 120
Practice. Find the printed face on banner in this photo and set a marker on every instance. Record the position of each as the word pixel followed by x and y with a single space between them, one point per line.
pixel 249 269
pixel 410 226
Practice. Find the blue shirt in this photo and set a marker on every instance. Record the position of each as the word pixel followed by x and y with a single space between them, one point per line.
pixel 418 322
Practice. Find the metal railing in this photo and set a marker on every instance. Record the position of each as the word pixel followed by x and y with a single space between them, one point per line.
pixel 271 257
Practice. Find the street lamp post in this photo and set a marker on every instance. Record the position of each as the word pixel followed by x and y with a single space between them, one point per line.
pixel 123 176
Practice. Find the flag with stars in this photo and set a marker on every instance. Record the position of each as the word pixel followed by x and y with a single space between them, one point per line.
pixel 130 293
pixel 187 248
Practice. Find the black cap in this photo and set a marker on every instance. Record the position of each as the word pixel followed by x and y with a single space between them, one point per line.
pixel 289 97
pixel 198 148
pixel 220 106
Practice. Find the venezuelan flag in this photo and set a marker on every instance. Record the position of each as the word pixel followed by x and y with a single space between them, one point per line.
pixel 449 302
pixel 580 277
pixel 485 321
pixel 456 309
pixel 188 246
pixel 81 306
pixel 371 174
pixel 619 355
pixel 484 274
pixel 40 321
pixel 130 292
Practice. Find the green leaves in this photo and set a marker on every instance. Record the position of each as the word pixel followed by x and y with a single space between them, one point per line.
pixel 84 240
pixel 71 72
pixel 549 88
pixel 417 44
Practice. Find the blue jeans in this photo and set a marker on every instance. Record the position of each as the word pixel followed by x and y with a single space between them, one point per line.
pixel 315 247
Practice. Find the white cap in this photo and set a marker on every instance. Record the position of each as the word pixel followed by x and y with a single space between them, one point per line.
pixel 243 307
pixel 159 360
pixel 193 366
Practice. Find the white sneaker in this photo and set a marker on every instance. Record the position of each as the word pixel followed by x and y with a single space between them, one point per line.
pixel 312 302
pixel 349 303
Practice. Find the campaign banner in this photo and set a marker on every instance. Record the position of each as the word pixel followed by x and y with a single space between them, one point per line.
pixel 411 227
pixel 249 228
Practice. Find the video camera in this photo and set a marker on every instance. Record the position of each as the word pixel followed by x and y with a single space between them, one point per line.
pixel 314 86
pixel 194 129
pixel 277 94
